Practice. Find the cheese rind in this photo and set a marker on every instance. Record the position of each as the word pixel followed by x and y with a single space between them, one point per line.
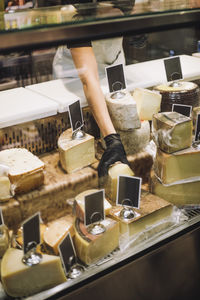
pixel 5 188
pixel 79 207
pixel 172 131
pixel 20 280
pixel 90 248
pixel 75 154
pixel 148 103
pixel 181 165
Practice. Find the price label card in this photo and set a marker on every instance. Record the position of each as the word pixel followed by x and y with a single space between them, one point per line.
pixel 31 232
pixel 173 68
pixel 75 115
pixel 67 253
pixel 197 130
pixel 182 109
pixel 1 218
pixel 94 207
pixel 116 78
pixel 128 191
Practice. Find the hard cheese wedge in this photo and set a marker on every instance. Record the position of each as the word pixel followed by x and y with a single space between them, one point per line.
pixel 79 206
pixel 90 248
pixel 111 183
pixel 179 194
pixel 5 188
pixel 181 165
pixel 75 154
pixel 20 280
pixel 172 131
pixel 153 209
pixel 148 103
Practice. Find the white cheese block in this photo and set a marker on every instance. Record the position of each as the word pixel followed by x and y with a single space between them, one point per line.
pixel 90 248
pixel 123 111
pixel 79 204
pixel 178 166
pixel 75 154
pixel 5 188
pixel 25 169
pixel 112 179
pixel 4 170
pixel 20 280
pixel 148 103
pixel 179 194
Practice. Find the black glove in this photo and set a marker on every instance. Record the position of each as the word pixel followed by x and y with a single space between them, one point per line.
pixel 113 153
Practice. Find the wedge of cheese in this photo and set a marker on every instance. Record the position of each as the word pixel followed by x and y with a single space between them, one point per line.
pixel 20 280
pixel 55 233
pixel 5 188
pixel 90 248
pixel 75 154
pixel 79 204
pixel 172 131
pixel 179 194
pixel 112 179
pixel 153 209
pixel 178 166
pixel 148 103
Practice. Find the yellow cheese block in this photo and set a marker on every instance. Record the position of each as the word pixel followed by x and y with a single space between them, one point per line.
pixel 79 204
pixel 148 103
pixel 178 194
pixel 172 131
pixel 5 188
pixel 111 182
pixel 90 248
pixel 153 209
pixel 20 280
pixel 75 154
pixel 56 231
pixel 181 165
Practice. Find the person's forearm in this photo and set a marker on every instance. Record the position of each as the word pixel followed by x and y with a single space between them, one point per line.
pixel 85 63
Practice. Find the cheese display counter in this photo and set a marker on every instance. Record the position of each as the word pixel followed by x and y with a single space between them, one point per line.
pixel 150 251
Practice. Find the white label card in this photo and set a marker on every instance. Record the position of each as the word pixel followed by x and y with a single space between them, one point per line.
pixel 116 78
pixel 75 115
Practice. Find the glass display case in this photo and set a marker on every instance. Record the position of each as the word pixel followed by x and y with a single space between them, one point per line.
pixel 162 262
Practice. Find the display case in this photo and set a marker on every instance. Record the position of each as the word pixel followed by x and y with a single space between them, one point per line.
pixel 162 262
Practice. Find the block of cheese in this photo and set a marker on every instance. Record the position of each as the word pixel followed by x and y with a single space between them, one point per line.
pixel 111 181
pixel 79 204
pixel 26 170
pixel 20 280
pixel 179 194
pixel 123 111
pixel 178 166
pixel 172 131
pixel 75 154
pixel 55 233
pixel 90 248
pixel 134 140
pixel 4 239
pixel 153 209
pixel 148 103
pixel 5 188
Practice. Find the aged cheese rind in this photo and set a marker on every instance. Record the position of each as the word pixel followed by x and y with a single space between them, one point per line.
pixel 79 207
pixel 5 188
pixel 19 280
pixel 111 181
pixel 179 194
pixel 75 154
pixel 148 103
pixel 181 165
pixel 123 111
pixel 90 248
pixel 172 131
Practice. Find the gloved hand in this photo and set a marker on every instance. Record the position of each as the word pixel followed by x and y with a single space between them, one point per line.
pixel 113 153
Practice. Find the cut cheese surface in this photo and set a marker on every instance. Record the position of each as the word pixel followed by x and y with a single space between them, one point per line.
pixel 148 103
pixel 79 204
pixel 113 173
pixel 90 248
pixel 75 154
pixel 5 188
pixel 20 280
pixel 181 165
pixel 172 131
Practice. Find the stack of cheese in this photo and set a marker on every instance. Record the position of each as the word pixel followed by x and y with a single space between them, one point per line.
pixel 177 163
pixel 134 134
pixel 90 248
